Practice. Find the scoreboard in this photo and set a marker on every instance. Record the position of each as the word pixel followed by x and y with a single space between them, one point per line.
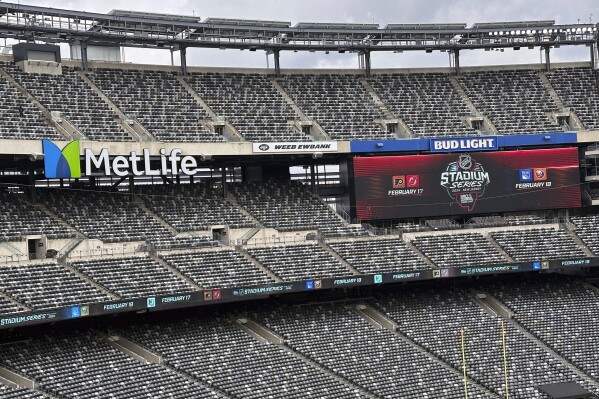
pixel 391 187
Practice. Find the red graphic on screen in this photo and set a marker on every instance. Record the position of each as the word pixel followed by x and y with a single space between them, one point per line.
pixel 399 181
pixel 413 181
pixel 540 174
pixel 490 182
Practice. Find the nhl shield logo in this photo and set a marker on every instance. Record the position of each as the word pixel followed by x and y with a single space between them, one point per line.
pixel 465 181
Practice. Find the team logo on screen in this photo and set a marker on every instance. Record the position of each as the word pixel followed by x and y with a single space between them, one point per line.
pixel 540 174
pixel 533 178
pixel 399 181
pixel 402 185
pixel 525 174
pixel 465 181
pixel 413 181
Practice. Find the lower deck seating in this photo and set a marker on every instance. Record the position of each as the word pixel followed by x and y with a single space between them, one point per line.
pixel 7 307
pixel 85 366
pixel 561 312
pixel 454 250
pixel 379 256
pixel 434 319
pixel 299 262
pixel 133 277
pixel 20 393
pixel 379 360
pixel 218 269
pixel 538 244
pixel 43 286
pixel 587 231
pixel 18 219
pixel 111 217
pixel 288 206
pixel 193 207
pixel 222 355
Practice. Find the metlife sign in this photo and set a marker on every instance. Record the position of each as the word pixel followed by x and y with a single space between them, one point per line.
pixel 464 144
pixel 294 148
pixel 140 164
pixel 66 163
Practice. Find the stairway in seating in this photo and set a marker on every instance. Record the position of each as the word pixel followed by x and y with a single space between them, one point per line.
pixel 317 132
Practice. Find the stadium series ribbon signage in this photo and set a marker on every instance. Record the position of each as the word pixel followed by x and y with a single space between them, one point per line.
pixel 286 148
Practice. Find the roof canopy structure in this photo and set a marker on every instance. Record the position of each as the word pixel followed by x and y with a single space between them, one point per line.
pixel 123 28
pixel 134 28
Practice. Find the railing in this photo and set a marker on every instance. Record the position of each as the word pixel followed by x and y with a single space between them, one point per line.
pixel 71 245
pixel 344 215
pixel 252 232
pixel 274 240
pixel 12 248
pixel 4 259
pixel 105 252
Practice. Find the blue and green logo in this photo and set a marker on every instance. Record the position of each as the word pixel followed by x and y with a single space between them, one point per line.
pixel 61 164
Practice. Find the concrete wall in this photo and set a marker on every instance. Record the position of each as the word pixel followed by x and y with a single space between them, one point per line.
pixel 26 148
pixel 96 248
pixel 483 230
pixel 314 71
pixel 318 71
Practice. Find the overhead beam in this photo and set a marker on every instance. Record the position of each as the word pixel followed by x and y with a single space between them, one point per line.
pixel 367 64
pixel 183 53
pixel 137 41
pixel 277 57
pixel 132 29
pixel 84 60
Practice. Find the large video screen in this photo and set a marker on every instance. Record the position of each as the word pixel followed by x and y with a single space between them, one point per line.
pixel 391 187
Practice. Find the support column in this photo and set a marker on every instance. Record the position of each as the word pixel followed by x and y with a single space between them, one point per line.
pixel 223 180
pixel 32 192
pixel 312 179
pixel 131 188
pixel 84 63
pixel 592 46
pixel 547 59
pixel 183 52
pixel 456 61
pixel 277 57
pixel 367 62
